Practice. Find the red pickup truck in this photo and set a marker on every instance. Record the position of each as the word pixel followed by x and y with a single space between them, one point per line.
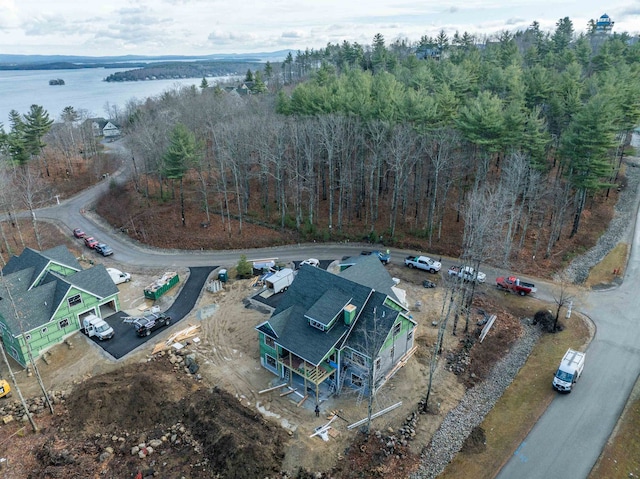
pixel 512 283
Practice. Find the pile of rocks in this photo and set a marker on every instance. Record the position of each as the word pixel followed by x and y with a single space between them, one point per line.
pixel 14 410
pixel 458 361
pixel 177 435
pixel 183 358
pixel 396 442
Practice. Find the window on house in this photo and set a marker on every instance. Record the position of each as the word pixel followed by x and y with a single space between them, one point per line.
pixel 74 300
pixel 13 352
pixel 358 359
pixel 27 337
pixel 270 342
pixel 63 323
pixel 396 329
pixel 270 360
pixel 44 330
pixel 410 335
pixel 356 380
pixel 377 363
pixel 316 324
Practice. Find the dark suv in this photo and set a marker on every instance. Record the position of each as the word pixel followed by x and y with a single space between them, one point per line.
pixel 384 257
pixel 150 322
pixel 103 249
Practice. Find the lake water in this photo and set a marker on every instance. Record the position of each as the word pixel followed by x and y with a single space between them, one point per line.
pixel 84 89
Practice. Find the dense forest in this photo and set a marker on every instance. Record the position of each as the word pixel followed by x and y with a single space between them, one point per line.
pixel 515 139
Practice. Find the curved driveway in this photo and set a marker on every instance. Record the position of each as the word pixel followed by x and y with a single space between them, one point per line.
pixel 568 438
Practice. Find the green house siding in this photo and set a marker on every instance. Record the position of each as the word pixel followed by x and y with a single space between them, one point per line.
pixel 57 268
pixel 87 301
pixel 266 350
pixel 13 346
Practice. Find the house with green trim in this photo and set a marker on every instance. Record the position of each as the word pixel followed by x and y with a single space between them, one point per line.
pixel 43 297
pixel 333 333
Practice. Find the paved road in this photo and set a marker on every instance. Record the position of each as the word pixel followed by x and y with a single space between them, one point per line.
pixel 568 438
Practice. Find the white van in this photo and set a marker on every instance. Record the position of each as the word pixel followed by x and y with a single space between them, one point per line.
pixel 94 326
pixel 569 371
pixel 118 276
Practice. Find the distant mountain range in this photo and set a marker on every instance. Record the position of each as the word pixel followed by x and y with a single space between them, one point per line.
pixel 59 62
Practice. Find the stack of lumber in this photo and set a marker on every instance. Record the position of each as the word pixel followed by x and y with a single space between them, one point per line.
pixel 188 332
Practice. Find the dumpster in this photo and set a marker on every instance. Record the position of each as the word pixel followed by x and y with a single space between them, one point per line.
pixel 162 285
pixel 223 275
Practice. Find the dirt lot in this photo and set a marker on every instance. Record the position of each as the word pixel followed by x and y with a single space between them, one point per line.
pixel 119 404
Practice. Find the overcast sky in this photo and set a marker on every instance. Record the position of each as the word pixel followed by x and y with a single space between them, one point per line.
pixel 195 27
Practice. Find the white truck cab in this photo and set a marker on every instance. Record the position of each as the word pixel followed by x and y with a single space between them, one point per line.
pixel 118 276
pixel 94 326
pixel 569 371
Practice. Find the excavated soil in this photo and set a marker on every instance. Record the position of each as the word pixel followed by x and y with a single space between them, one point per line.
pixel 199 432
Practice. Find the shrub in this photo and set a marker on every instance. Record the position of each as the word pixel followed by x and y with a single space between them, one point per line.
pixel 244 269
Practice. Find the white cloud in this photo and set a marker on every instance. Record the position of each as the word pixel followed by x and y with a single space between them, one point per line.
pixel 217 26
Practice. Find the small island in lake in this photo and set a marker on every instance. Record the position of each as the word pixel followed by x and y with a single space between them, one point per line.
pixel 56 81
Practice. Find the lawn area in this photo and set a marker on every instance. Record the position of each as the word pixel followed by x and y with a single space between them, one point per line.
pixel 621 455
pixel 521 404
pixel 602 273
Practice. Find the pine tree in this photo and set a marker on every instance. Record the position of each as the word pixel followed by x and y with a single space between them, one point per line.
pixel 183 151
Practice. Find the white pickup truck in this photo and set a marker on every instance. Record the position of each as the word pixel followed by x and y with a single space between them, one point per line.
pixel 467 273
pixel 423 262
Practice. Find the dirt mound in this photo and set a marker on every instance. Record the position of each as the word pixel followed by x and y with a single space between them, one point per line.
pixel 135 397
pixel 122 423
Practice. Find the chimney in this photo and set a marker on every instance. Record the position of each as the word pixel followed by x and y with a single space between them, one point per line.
pixel 349 314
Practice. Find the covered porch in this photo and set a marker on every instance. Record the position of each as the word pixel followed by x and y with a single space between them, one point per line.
pixel 312 377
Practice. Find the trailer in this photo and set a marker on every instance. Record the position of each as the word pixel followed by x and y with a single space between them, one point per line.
pixel 280 280
pixel 161 285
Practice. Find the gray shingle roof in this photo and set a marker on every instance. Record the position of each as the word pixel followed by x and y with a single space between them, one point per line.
pixel 30 258
pixel 35 306
pixel 289 321
pixel 320 295
pixel 95 280
pixel 369 271
pixel 373 326
pixel 328 306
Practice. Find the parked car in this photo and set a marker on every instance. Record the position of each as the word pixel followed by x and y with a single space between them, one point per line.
pixel 311 262
pixel 118 276
pixel 150 322
pixel 512 283
pixel 467 273
pixel 423 262
pixel 104 249
pixel 382 256
pixel 90 242
pixel 78 233
pixel 569 371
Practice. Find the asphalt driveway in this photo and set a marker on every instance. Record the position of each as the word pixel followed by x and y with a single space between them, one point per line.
pixel 125 338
